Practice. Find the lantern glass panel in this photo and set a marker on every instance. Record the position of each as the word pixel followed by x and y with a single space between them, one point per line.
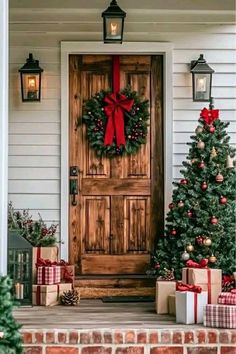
pixel 30 86
pixel 113 28
pixel 202 86
pixel 20 267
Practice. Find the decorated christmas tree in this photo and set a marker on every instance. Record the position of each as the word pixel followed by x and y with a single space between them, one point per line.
pixel 10 338
pixel 201 223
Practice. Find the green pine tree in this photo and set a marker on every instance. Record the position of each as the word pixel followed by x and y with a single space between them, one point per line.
pixel 10 340
pixel 201 218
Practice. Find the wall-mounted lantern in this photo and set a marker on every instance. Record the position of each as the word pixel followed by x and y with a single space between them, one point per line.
pixel 30 74
pixel 20 266
pixel 113 23
pixel 202 79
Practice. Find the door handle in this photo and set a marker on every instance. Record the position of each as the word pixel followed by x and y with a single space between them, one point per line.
pixel 74 190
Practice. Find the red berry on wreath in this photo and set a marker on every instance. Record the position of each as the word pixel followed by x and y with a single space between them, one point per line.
pixel 199 240
pixel 204 186
pixel 201 164
pixel 189 213
pixel 173 232
pixel 219 178
pixel 212 129
pixel 214 220
pixel 223 200
pixel 184 181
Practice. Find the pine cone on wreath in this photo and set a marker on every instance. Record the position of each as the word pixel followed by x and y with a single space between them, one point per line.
pixel 70 298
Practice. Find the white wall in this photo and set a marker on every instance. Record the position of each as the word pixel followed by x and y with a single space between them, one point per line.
pixel 34 141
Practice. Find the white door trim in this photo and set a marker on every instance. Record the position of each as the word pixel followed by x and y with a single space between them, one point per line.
pixel 67 48
pixel 3 133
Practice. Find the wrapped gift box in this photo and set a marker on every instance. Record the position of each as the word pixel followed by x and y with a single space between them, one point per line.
pixel 48 275
pixel 220 316
pixel 50 253
pixel 189 306
pixel 67 273
pixel 227 299
pixel 171 305
pixel 210 280
pixel 48 295
pixel 164 288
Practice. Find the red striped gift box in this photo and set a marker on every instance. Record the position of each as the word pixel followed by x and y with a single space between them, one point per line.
pixel 219 316
pixel 227 299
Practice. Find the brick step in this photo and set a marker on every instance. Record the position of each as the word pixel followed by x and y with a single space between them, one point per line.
pixel 99 292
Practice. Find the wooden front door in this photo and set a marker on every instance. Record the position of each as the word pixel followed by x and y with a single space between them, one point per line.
pixel 119 211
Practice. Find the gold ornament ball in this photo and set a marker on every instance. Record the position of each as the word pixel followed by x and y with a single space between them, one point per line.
pixel 181 204
pixel 201 145
pixel 207 241
pixel 199 129
pixel 189 248
pixel 212 259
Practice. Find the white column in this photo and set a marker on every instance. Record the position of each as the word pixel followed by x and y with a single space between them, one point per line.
pixel 3 133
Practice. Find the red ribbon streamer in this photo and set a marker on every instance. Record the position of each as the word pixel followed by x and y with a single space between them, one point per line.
pixel 195 307
pixel 186 287
pixel 209 285
pixel 202 264
pixel 209 115
pixel 116 105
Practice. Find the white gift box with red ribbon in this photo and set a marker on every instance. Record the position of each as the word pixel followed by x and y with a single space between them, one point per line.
pixel 189 306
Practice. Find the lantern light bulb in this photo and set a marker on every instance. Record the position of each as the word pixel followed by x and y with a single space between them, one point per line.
pixel 201 84
pixel 114 29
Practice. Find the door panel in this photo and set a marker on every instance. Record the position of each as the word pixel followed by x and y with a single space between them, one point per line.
pixel 119 208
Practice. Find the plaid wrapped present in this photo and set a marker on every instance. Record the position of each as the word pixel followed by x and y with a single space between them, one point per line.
pixel 48 273
pixel 227 299
pixel 219 316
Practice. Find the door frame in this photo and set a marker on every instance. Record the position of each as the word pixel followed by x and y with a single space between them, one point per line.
pixel 129 48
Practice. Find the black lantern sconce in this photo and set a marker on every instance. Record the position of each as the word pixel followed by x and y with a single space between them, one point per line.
pixel 20 266
pixel 113 23
pixel 30 74
pixel 202 79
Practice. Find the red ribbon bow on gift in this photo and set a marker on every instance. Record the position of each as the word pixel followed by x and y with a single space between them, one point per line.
pixel 186 287
pixel 202 264
pixel 116 106
pixel 47 263
pixel 209 115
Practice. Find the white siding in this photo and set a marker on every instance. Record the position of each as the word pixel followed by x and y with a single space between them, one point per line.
pixel 34 161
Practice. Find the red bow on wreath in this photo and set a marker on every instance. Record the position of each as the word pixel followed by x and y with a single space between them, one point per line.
pixel 116 106
pixel 202 264
pixel 209 115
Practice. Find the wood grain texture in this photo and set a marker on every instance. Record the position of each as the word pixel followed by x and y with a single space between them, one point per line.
pixel 115 264
pixel 116 198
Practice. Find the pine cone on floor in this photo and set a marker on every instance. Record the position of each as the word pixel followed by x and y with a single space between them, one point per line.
pixel 70 298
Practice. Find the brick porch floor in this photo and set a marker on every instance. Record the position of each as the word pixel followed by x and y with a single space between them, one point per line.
pixel 97 328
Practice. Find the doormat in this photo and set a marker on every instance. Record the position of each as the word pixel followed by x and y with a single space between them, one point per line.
pixel 128 299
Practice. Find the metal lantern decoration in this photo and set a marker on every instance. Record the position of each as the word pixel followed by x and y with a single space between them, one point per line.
pixel 20 267
pixel 113 23
pixel 30 74
pixel 202 79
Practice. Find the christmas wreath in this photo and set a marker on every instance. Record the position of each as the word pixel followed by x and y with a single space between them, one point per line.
pixel 117 123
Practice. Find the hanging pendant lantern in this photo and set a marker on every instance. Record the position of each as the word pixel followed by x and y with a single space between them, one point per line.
pixel 113 23
pixel 30 74
pixel 202 79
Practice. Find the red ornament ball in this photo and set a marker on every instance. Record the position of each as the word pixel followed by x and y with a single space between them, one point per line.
pixel 171 205
pixel 184 181
pixel 157 265
pixel 173 232
pixel 189 213
pixel 199 240
pixel 219 178
pixel 204 186
pixel 201 165
pixel 212 129
pixel 214 220
pixel 223 200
